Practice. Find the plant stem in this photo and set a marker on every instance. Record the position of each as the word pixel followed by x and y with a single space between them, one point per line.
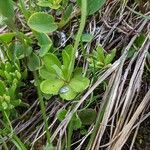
pixel 15 139
pixel 70 131
pixel 43 109
pixel 78 37
pixel 18 142
pixel 5 146
pixel 8 121
pixel 97 124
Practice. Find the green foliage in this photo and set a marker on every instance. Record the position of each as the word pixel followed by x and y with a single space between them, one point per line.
pixel 137 44
pixel 75 120
pixel 87 116
pixel 7 12
pixel 20 51
pixel 86 37
pixel 82 117
pixel 51 86
pixel 66 15
pixel 101 60
pixel 44 42
pixel 53 4
pixel 61 113
pixel 49 147
pixel 57 75
pixel 42 22
pixel 34 62
pixel 93 5
pixel 7 37
pixel 10 81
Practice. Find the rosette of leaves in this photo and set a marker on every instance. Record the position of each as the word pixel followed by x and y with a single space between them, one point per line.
pixel 53 4
pixel 99 59
pixel 57 78
pixel 10 80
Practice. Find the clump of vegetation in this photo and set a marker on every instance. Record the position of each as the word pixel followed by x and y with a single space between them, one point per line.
pixel 86 93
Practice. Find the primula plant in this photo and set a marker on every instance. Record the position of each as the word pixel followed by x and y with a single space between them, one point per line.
pixel 57 78
pixel 100 60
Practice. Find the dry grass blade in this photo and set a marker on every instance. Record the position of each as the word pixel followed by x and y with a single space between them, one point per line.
pixel 127 129
pixel 134 86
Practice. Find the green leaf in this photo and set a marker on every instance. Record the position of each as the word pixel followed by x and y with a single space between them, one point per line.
pixel 76 122
pixel 44 42
pixel 93 5
pixel 33 62
pixel 66 16
pixel 7 11
pixel 2 88
pixel 131 52
pixel 8 67
pixel 79 83
pixel 139 41
pixel 21 50
pixel 67 93
pixel 100 52
pixel 7 37
pixel 52 4
pixel 42 22
pixel 86 37
pixel 44 3
pixel 50 60
pixel 51 86
pixel 49 147
pixel 16 103
pixel 78 71
pixel 44 49
pixel 25 11
pixel 66 56
pixel 4 105
pixel 18 50
pixel 28 51
pixel 65 65
pixel 109 57
pixel 46 74
pixel 61 113
pixel 58 72
pixel 87 116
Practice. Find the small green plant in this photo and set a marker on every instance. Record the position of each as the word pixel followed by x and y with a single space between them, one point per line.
pixel 137 44
pixel 57 76
pixel 10 81
pixel 100 59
